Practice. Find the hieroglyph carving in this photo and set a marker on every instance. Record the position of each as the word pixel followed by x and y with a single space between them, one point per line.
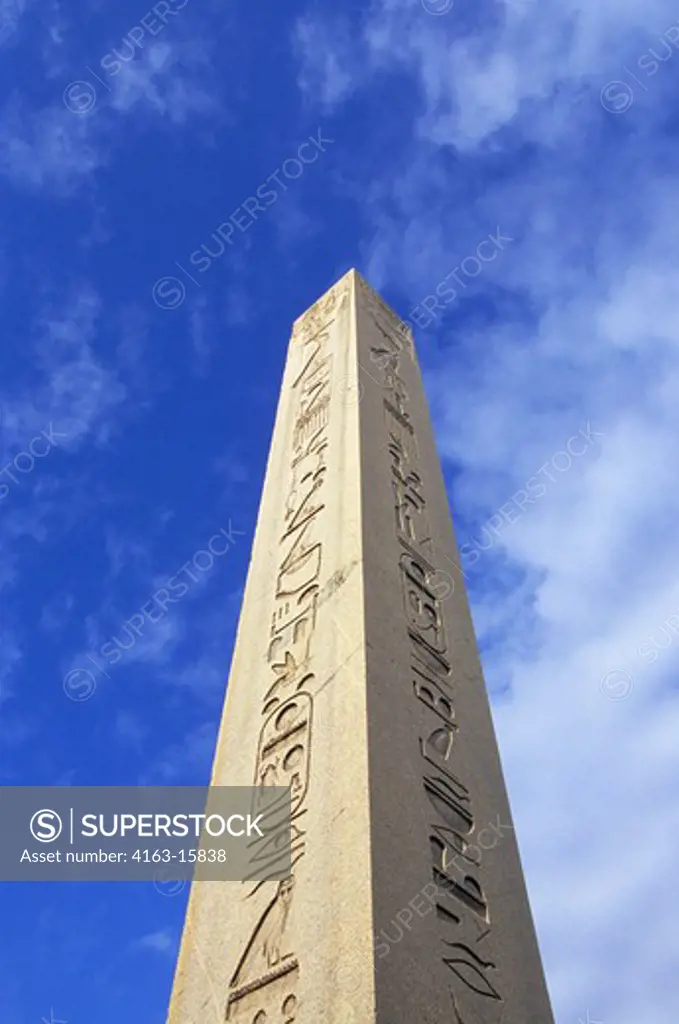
pixel 319 316
pixel 396 333
pixel 463 915
pixel 263 988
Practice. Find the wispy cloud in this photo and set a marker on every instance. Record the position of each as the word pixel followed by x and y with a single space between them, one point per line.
pixel 163 941
pixel 60 146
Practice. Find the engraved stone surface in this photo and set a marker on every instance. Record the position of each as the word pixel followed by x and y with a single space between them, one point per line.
pixel 356 682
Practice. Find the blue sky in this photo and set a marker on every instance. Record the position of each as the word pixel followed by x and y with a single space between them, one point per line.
pixel 137 412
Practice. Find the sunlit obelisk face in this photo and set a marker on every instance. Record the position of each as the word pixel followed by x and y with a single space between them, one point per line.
pixel 356 683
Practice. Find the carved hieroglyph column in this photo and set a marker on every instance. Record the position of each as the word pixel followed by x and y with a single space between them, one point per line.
pixel 356 682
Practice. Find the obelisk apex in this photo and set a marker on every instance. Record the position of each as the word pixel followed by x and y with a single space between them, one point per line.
pixel 356 682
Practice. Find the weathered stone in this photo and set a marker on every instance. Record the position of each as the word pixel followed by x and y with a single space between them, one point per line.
pixel 356 681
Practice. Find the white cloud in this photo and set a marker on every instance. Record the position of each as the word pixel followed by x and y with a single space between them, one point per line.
pixel 164 81
pixel 327 62
pixel 73 398
pixel 479 71
pixel 59 147
pixel 75 393
pixel 162 941
pixel 49 148
pixel 11 12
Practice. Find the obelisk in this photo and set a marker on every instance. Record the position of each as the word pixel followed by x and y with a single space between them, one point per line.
pixel 356 682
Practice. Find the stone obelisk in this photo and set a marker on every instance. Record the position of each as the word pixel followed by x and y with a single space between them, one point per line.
pixel 356 682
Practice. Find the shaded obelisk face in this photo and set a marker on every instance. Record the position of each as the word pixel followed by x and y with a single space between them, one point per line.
pixel 356 683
